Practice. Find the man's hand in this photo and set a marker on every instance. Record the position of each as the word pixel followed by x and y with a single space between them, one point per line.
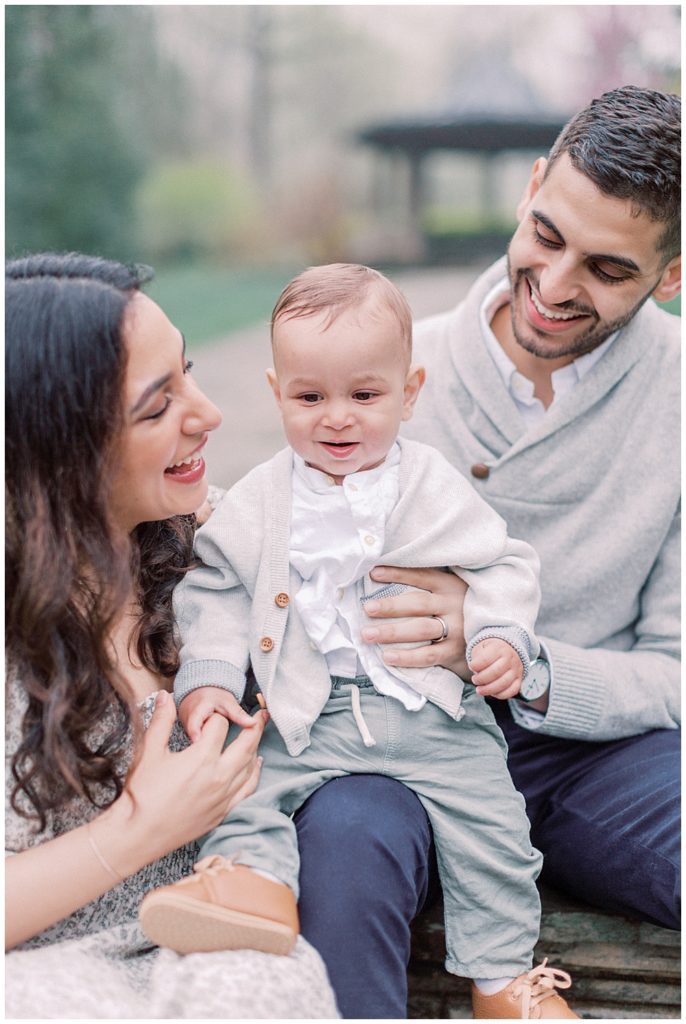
pixel 498 669
pixel 440 593
pixel 201 704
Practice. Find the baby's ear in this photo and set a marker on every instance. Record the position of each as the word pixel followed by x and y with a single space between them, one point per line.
pixel 274 384
pixel 414 382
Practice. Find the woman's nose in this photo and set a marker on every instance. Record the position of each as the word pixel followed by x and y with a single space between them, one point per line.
pixel 202 414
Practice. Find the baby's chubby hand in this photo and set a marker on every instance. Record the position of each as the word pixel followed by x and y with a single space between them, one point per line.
pixel 497 668
pixel 201 704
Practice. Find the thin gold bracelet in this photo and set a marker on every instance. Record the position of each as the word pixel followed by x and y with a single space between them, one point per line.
pixel 94 846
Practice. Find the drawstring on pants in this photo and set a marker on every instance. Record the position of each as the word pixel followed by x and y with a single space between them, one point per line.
pixel 367 737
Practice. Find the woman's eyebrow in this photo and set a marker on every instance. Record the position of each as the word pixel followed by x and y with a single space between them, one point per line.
pixel 156 384
pixel 149 391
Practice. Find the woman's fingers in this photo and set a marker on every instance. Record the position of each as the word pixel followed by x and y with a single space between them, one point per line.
pixel 248 787
pixel 162 722
pixel 243 747
pixel 214 733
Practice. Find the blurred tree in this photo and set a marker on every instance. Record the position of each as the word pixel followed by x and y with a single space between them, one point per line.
pixel 80 87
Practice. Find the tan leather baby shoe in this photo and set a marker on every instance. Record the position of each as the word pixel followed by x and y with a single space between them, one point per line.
pixel 221 906
pixel 531 996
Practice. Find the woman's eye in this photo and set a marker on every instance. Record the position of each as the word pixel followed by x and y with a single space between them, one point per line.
pixel 188 366
pixel 160 412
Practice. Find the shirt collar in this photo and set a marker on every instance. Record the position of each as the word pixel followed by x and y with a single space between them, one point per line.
pixel 365 479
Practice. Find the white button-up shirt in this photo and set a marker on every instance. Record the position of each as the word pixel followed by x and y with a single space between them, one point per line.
pixel 337 536
pixel 520 387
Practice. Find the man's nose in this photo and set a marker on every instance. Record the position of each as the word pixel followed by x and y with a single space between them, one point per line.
pixel 558 282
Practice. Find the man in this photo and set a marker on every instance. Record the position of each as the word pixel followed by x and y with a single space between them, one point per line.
pixel 555 387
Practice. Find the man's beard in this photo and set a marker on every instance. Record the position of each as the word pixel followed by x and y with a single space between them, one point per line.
pixel 554 348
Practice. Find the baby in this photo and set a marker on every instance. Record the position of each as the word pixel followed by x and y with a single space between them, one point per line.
pixel 279 601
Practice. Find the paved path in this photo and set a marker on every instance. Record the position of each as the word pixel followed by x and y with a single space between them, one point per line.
pixel 231 372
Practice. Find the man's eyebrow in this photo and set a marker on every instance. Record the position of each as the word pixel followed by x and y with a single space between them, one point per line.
pixel 599 257
pixel 537 215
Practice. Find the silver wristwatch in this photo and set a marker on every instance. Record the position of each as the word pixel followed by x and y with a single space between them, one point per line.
pixel 536 681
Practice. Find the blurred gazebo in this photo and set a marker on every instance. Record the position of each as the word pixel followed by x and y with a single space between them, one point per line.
pixel 495 112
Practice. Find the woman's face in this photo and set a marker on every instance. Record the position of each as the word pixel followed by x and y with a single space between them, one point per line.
pixel 160 471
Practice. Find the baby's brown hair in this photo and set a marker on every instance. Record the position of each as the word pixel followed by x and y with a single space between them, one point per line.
pixel 337 287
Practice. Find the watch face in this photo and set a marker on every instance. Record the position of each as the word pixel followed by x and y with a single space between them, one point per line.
pixel 536 681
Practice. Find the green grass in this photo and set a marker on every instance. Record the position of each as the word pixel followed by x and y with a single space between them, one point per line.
pixel 206 301
pixel 672 307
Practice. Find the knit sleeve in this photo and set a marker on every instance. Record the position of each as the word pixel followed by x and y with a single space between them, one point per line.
pixel 212 609
pixel 602 694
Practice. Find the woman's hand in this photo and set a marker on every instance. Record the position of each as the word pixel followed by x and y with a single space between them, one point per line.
pixel 443 596
pixel 170 797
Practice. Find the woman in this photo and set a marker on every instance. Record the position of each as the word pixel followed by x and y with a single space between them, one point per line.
pixel 105 431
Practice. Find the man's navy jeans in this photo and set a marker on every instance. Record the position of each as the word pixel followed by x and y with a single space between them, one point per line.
pixel 605 815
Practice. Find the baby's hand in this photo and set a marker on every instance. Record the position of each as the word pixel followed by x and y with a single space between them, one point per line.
pixel 498 669
pixel 200 704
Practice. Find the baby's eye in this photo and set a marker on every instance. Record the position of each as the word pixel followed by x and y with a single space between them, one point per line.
pixel 310 397
pixel 364 396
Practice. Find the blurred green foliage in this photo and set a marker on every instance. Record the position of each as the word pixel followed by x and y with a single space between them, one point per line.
pixel 196 207
pixel 69 170
pixel 87 101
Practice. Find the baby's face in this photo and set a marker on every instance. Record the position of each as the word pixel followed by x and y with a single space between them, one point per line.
pixel 343 390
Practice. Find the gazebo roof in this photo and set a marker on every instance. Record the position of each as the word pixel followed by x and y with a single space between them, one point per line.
pixel 494 109
pixel 472 133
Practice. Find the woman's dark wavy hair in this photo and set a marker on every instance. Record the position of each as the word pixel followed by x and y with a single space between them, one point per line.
pixel 69 572
pixel 628 142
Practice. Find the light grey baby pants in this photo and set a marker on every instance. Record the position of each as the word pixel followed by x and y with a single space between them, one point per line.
pixel 486 862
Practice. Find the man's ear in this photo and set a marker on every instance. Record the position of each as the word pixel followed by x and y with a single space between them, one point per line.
pixel 534 183
pixel 274 384
pixel 414 381
pixel 669 285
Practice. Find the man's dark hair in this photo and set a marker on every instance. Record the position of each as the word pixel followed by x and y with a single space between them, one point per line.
pixel 628 142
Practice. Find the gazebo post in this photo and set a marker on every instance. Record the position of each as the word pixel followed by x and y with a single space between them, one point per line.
pixel 416 204
pixel 489 191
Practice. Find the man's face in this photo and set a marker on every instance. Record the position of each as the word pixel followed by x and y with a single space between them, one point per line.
pixel 581 264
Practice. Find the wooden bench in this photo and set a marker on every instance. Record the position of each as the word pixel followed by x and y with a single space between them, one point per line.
pixel 620 968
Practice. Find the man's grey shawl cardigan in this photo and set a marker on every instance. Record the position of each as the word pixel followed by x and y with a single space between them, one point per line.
pixel 232 612
pixel 594 487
